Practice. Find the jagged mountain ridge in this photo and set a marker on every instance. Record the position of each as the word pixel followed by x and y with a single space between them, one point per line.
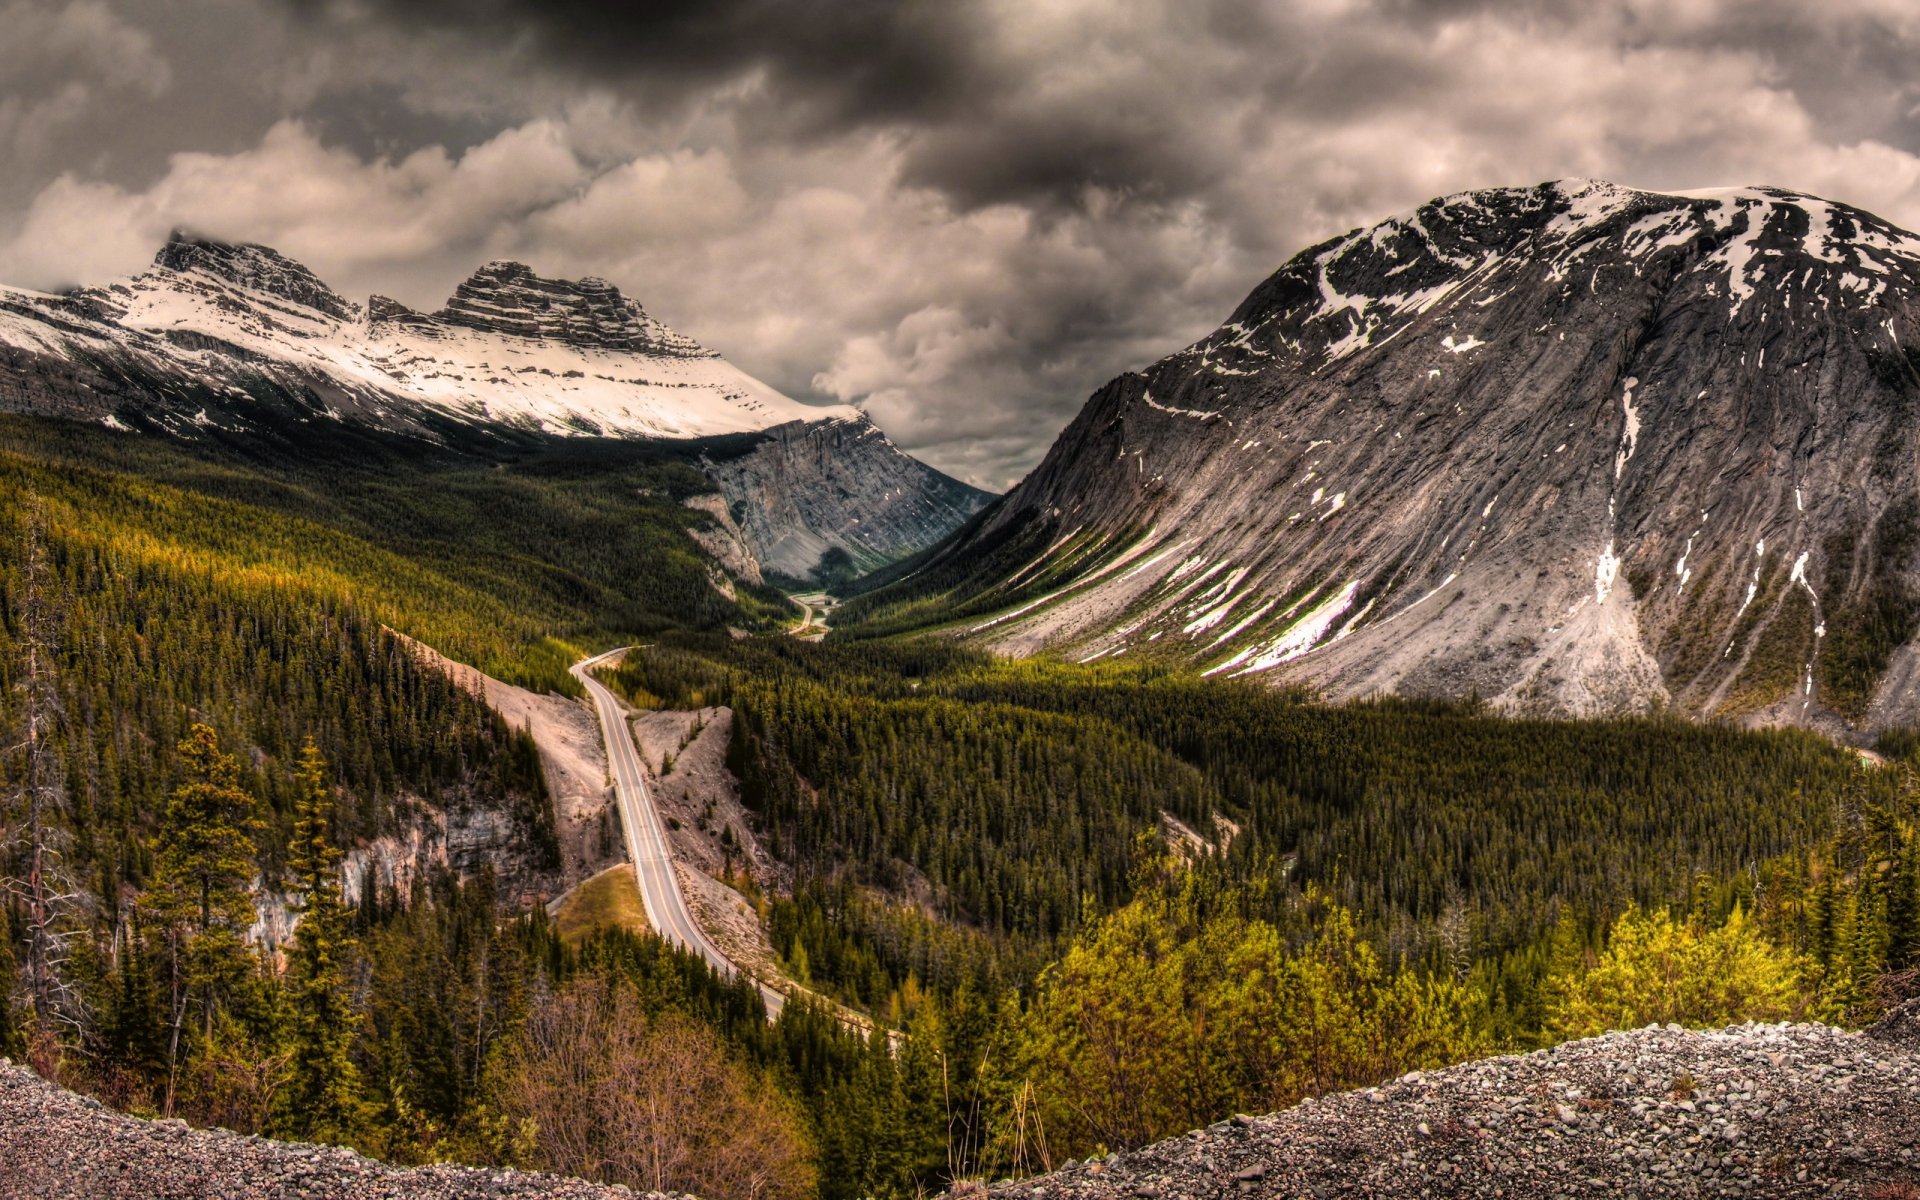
pixel 510 348
pixel 1575 447
pixel 218 335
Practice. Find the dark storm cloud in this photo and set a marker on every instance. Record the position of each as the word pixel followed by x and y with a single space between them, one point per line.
pixel 827 66
pixel 966 215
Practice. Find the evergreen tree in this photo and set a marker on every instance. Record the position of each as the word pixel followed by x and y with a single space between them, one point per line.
pixel 200 897
pixel 325 1084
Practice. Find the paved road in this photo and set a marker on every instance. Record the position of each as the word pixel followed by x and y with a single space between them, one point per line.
pixel 647 836
pixel 809 603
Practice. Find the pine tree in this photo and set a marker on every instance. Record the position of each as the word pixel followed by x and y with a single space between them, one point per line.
pixel 325 1091
pixel 201 897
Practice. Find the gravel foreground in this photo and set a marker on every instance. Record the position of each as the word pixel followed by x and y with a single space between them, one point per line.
pixel 1755 1110
pixel 55 1145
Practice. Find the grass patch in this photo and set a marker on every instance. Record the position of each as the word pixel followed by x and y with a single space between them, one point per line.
pixel 610 899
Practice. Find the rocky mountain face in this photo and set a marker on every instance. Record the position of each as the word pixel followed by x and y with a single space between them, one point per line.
pixel 1574 448
pixel 507 297
pixel 810 486
pixel 232 337
pixel 1755 1110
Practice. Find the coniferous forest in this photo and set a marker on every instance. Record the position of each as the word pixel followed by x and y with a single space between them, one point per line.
pixel 1081 907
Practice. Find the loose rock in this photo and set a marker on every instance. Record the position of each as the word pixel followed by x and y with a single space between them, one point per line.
pixel 1764 1115
pixel 55 1145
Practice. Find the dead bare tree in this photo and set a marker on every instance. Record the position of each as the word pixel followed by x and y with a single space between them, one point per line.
pixel 653 1102
pixel 37 799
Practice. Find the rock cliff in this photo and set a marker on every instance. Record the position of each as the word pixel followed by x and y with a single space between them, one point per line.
pixel 808 487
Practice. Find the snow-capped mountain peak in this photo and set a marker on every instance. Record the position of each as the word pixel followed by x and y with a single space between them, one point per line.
pixel 217 338
pixel 258 269
pixel 1358 290
pixel 508 298
pixel 510 347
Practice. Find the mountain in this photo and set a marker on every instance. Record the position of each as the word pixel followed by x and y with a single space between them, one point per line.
pixel 808 487
pixel 236 338
pixel 1576 448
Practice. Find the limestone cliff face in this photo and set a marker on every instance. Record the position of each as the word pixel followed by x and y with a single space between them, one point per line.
pixel 1575 447
pixel 508 298
pixel 805 488
pixel 723 539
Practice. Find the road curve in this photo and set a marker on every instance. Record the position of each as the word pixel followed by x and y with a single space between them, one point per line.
pixel 646 836
pixel 808 629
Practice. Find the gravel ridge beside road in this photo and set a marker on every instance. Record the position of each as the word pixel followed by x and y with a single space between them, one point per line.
pixel 1795 1110
pixel 56 1145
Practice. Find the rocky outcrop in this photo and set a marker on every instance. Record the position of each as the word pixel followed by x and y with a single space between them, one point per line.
pixel 805 488
pixel 1574 448
pixel 508 298
pixel 384 312
pixel 723 538
pixel 1755 1110
pixel 55 1145
pixel 257 268
pixel 463 835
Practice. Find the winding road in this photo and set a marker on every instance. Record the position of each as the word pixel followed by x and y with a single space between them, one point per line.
pixel 807 627
pixel 647 836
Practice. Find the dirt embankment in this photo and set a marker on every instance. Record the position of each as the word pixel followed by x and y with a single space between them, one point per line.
pixel 571 754
pixel 685 754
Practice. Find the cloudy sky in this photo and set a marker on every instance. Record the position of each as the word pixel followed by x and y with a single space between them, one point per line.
pixel 963 214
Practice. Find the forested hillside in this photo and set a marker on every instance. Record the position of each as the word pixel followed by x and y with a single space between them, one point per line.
pixel 1350 892
pixel 213 723
pixel 1015 790
pixel 1087 906
pixel 501 555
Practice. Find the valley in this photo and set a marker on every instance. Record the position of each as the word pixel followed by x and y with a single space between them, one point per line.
pixel 1066 600
pixel 873 836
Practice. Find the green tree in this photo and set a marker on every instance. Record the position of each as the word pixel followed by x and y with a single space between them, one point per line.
pixel 1109 1043
pixel 325 1091
pixel 201 896
pixel 1172 1012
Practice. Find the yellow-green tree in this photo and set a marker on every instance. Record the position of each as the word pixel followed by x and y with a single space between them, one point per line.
pixel 1110 1044
pixel 1158 1019
pixel 1286 1024
pixel 1656 970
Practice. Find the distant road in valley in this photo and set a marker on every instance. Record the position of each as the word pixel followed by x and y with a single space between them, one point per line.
pixel 810 603
pixel 647 836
